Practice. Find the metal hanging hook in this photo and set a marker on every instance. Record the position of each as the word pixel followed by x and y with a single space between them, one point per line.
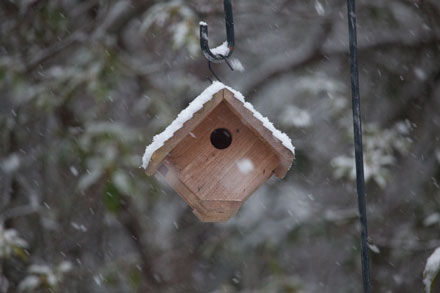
pixel 225 50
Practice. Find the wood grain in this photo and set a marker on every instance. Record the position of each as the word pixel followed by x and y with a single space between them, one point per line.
pixel 216 182
pixel 247 117
pixel 170 144
pixel 204 210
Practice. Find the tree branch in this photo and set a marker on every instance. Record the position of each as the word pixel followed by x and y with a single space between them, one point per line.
pixel 127 216
pixel 117 18
pixel 316 51
pixel 278 66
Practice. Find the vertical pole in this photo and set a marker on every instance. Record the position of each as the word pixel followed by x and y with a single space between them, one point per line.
pixel 357 126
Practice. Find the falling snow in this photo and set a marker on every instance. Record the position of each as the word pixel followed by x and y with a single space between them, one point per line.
pixel 236 64
pixel 85 87
pixel 319 8
pixel 245 166
pixel 79 227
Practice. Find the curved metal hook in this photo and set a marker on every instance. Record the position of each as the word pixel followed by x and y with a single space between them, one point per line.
pixel 230 37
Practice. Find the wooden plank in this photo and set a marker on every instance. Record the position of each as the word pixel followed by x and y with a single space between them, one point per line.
pixel 248 173
pixel 206 211
pixel 168 172
pixel 217 211
pixel 222 205
pixel 213 217
pixel 170 144
pixel 247 117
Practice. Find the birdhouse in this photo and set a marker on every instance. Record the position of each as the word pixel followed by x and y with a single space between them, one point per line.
pixel 217 152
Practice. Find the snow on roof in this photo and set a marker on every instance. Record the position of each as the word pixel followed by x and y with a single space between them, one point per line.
pixel 197 104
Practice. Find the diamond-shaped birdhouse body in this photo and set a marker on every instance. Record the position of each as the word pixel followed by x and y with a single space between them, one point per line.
pixel 217 152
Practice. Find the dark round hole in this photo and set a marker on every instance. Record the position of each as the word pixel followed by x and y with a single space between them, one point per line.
pixel 221 138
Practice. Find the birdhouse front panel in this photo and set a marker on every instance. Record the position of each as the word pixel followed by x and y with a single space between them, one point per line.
pixel 217 152
pixel 222 160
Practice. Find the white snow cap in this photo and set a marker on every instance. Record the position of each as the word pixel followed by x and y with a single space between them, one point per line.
pixel 197 104
pixel 222 50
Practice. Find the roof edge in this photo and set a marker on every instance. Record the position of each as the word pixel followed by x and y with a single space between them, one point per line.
pixel 259 125
pixel 190 118
pixel 202 106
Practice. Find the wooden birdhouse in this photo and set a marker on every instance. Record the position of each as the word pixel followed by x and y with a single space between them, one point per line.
pixel 217 152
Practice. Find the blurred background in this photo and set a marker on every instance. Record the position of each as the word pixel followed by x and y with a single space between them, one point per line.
pixel 85 85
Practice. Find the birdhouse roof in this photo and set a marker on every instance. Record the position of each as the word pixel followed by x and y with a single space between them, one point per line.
pixel 200 108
